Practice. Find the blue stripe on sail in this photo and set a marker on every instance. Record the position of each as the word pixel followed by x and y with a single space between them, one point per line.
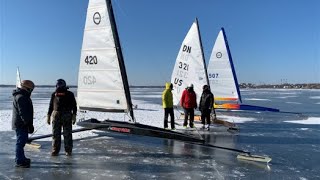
pixel 231 63
pixel 257 108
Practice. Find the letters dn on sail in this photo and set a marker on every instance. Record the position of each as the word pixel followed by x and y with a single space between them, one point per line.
pixel 186 51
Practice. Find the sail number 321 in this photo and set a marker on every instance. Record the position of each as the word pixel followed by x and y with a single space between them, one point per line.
pixel 91 60
pixel 183 66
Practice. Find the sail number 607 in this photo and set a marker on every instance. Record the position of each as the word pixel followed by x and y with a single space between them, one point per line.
pixel 91 60
pixel 213 75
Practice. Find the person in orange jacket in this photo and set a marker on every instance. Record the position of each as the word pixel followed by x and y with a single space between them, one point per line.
pixel 189 102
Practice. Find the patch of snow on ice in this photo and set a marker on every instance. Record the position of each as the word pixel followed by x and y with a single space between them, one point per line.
pixel 285 97
pixel 304 129
pixel 293 103
pixel 148 96
pixel 236 119
pixel 310 120
pixel 256 99
pixel 147 113
pixel 314 97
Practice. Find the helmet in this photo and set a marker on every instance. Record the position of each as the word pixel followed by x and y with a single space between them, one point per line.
pixel 28 85
pixel 61 84
pixel 190 85
pixel 205 87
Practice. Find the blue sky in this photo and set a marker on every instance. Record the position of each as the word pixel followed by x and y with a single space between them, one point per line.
pixel 269 40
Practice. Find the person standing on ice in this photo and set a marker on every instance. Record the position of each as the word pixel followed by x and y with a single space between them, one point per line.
pixel 167 104
pixel 63 111
pixel 22 120
pixel 189 102
pixel 206 106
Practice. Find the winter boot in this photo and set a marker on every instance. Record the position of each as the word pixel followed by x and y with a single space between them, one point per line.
pixel 208 127
pixel 54 153
pixel 25 164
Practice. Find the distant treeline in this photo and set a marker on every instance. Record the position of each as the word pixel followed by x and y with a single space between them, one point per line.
pixel 74 86
pixel 13 86
pixel 242 86
pixel 281 86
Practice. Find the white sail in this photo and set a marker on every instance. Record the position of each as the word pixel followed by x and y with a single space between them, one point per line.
pixel 100 83
pixel 189 66
pixel 220 72
pixel 18 80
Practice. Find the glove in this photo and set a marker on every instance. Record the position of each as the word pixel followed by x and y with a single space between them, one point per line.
pixel 30 129
pixel 49 119
pixel 74 118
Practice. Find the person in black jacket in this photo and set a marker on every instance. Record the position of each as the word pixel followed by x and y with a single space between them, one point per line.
pixel 22 120
pixel 206 106
pixel 63 111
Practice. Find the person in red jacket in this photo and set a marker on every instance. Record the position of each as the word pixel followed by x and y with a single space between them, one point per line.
pixel 189 102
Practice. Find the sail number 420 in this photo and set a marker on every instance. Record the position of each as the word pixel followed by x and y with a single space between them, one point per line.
pixel 213 75
pixel 91 60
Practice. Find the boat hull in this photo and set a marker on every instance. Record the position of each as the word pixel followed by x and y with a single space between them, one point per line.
pixel 137 129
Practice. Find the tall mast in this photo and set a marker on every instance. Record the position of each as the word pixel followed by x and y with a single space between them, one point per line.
pixel 231 63
pixel 204 61
pixel 120 58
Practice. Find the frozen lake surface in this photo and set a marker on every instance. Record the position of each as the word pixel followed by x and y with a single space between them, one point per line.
pixel 292 141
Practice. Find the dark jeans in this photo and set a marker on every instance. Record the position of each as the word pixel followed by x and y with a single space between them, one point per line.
pixel 188 112
pixel 167 112
pixel 205 116
pixel 22 137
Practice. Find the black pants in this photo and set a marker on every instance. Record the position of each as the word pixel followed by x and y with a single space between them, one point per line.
pixel 205 116
pixel 188 112
pixel 167 112
pixel 61 120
